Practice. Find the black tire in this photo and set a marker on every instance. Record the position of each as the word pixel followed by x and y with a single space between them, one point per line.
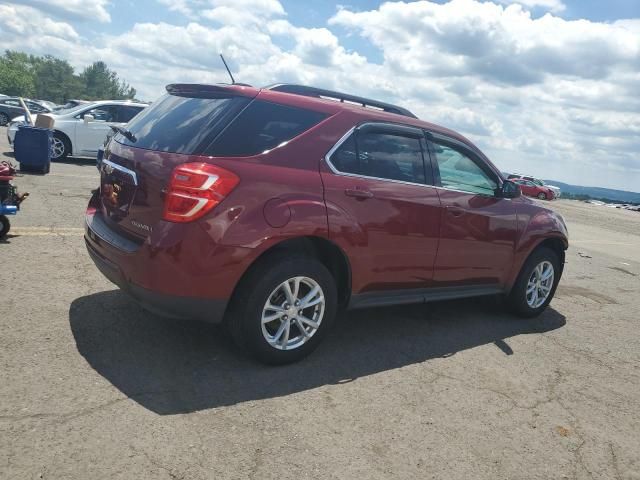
pixel 244 319
pixel 4 119
pixel 542 196
pixel 5 226
pixel 65 142
pixel 517 299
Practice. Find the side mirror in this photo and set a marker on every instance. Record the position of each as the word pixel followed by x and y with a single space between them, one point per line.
pixel 509 189
pixel 88 118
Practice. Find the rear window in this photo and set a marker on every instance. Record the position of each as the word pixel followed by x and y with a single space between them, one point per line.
pixel 261 127
pixel 181 124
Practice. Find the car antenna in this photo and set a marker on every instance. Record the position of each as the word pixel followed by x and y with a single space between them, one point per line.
pixel 233 82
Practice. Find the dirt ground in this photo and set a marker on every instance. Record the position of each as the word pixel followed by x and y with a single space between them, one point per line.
pixel 93 387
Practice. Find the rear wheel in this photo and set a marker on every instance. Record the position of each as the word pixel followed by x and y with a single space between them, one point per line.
pixel 60 148
pixel 283 309
pixel 536 283
pixel 5 226
pixel 4 119
pixel 542 196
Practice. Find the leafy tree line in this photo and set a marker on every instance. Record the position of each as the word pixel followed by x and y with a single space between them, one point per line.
pixel 54 79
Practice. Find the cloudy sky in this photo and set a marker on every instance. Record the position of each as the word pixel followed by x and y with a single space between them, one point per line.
pixel 546 87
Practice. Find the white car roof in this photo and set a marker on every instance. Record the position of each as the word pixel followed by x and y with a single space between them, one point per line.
pixel 116 102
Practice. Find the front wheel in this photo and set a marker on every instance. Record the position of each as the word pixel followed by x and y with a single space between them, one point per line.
pixel 283 309
pixel 536 283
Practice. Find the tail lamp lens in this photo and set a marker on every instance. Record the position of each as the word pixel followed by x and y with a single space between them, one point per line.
pixel 195 189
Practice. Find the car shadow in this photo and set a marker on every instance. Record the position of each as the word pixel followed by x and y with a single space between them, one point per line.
pixel 78 161
pixel 172 367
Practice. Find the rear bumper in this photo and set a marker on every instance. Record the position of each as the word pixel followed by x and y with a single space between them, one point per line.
pixel 171 306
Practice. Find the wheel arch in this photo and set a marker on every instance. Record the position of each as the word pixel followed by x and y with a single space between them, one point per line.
pixel 327 252
pixel 555 243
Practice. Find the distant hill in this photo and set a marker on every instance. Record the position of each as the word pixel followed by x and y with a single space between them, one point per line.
pixel 621 196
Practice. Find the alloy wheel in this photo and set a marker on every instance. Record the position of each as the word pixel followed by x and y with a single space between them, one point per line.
pixel 292 313
pixel 540 284
pixel 57 148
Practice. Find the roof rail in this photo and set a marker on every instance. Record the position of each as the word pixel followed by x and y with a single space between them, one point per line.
pixel 342 97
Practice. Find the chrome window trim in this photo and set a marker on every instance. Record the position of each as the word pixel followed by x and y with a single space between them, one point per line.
pixel 122 169
pixel 469 193
pixel 345 137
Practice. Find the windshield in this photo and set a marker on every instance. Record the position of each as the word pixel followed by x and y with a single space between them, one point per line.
pixel 46 103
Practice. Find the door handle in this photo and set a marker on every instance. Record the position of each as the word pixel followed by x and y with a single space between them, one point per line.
pixel 358 193
pixel 455 211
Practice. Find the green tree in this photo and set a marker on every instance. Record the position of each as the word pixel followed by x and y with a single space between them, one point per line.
pixel 101 83
pixel 55 80
pixel 16 74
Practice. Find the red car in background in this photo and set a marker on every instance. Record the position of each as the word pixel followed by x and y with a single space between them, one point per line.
pixel 530 189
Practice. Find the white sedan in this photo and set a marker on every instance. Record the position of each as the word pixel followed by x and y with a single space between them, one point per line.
pixel 81 130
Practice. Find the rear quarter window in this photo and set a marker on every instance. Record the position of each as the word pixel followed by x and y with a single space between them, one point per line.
pixel 263 126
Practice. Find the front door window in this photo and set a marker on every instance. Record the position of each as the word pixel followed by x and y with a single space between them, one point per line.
pixel 459 172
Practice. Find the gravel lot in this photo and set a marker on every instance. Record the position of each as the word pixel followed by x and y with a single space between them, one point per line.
pixel 93 387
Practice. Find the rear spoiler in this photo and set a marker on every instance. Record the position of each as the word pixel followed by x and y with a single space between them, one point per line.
pixel 198 90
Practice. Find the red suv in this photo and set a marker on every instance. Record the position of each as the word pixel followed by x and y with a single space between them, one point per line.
pixel 270 209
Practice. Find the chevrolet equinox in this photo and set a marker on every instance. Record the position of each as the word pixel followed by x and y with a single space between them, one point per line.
pixel 271 209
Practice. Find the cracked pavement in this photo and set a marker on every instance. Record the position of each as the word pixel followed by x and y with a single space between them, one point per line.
pixel 92 386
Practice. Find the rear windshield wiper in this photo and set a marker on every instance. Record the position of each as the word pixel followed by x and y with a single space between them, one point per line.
pixel 130 136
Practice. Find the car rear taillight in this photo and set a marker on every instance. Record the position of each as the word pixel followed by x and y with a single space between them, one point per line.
pixel 195 189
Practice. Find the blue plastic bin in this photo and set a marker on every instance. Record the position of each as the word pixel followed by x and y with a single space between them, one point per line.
pixel 32 148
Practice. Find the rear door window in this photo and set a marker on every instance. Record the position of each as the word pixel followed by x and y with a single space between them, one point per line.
pixel 261 127
pixel 390 156
pixel 381 155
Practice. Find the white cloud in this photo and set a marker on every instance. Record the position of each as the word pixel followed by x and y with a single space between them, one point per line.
pixel 506 45
pixel 221 9
pixel 551 5
pixel 316 46
pixel 93 10
pixel 545 95
pixel 18 23
pixel 548 96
